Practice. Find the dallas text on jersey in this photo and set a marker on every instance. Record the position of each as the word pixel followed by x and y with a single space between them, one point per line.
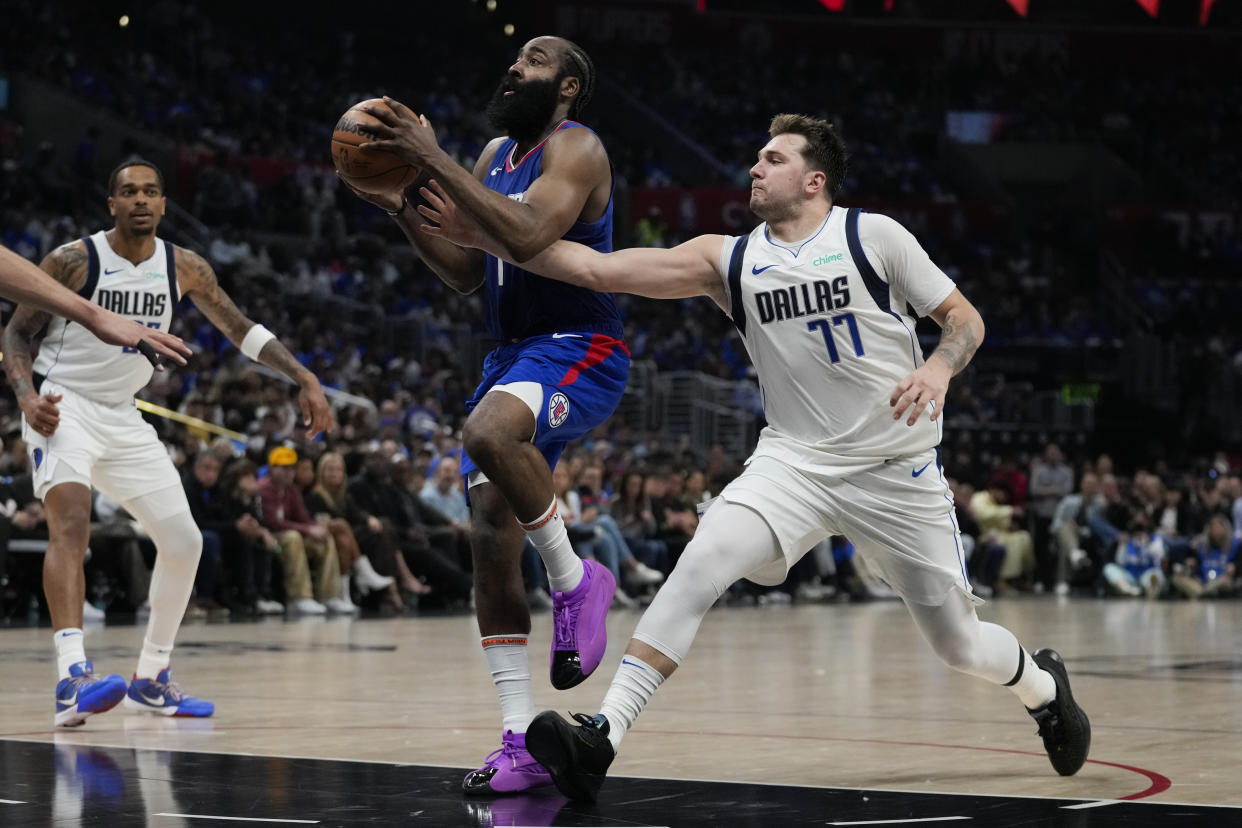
pixel 132 302
pixel 806 299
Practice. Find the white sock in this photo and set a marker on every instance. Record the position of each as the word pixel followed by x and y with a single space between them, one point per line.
pixel 628 694
pixel 506 656
pixel 345 588
pixel 547 533
pixel 155 657
pixel 1035 686
pixel 70 649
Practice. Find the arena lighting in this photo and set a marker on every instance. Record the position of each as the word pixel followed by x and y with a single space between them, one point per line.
pixel 1021 7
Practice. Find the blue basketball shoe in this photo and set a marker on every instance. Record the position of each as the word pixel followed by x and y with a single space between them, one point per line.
pixel 163 697
pixel 84 694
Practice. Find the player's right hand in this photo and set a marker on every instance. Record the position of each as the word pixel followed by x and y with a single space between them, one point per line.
pixel 117 330
pixel 385 201
pixel 446 221
pixel 41 412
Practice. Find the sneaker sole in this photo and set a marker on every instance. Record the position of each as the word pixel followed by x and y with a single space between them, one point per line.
pixel 141 707
pixel 1051 661
pixel 76 716
pixel 486 789
pixel 550 739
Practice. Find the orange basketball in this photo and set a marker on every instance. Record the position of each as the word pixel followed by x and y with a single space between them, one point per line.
pixel 369 170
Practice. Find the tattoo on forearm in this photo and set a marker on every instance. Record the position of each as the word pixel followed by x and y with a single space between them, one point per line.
pixel 66 264
pixel 958 343
pixel 276 355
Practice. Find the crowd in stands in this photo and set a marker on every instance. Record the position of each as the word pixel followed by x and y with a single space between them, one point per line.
pixel 375 513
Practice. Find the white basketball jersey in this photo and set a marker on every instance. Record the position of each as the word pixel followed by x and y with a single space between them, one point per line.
pixel 146 292
pixel 830 338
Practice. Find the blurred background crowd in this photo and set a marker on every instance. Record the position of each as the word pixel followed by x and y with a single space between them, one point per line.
pixel 1074 172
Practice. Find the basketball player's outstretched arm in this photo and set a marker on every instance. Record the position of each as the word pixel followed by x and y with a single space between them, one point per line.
pixel 26 284
pixel 689 269
pixel 961 333
pixel 198 281
pixel 573 168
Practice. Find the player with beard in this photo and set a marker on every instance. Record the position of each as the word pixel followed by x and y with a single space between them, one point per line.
pixel 824 298
pixel 559 370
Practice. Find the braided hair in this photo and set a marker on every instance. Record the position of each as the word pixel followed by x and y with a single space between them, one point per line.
pixel 578 64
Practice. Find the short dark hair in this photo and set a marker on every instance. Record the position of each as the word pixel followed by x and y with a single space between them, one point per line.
pixel 576 62
pixel 133 162
pixel 825 151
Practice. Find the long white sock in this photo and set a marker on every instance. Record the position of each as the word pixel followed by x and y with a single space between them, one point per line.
pixel 547 533
pixel 155 657
pixel 506 656
pixel 631 689
pixel 70 649
pixel 1032 684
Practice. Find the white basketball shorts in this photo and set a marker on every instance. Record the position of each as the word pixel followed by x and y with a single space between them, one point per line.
pixel 898 515
pixel 106 446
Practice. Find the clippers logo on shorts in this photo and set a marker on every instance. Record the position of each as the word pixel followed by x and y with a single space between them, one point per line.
pixel 558 409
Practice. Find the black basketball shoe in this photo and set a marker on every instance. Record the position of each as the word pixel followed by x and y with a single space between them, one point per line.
pixel 1062 723
pixel 577 756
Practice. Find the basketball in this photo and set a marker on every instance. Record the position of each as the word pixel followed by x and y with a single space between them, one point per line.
pixel 369 170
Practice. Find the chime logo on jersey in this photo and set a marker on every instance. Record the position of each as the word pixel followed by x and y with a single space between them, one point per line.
pixel 558 409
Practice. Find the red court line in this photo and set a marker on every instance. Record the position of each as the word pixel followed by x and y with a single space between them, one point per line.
pixel 1159 782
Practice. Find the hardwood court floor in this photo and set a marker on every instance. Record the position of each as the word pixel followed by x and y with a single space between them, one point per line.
pixel 824 695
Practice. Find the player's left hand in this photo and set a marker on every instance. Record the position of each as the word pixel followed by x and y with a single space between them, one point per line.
pixel 450 223
pixel 402 132
pixel 316 413
pixel 925 385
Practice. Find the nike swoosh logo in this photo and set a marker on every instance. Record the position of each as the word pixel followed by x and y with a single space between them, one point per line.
pixel 632 663
pixel 565 336
pixel 757 270
pixel 158 701
pixel 71 701
pixel 920 471
pixel 110 272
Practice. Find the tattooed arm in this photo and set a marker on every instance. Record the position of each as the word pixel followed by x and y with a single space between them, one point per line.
pixel 22 281
pixel 198 281
pixel 961 332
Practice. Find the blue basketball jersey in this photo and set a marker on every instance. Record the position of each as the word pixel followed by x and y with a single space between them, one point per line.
pixel 521 304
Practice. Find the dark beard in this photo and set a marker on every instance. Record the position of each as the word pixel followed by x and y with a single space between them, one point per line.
pixel 528 111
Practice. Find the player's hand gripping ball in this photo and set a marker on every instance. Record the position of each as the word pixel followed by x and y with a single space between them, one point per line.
pixel 371 171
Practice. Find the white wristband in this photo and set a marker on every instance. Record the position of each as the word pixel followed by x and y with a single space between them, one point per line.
pixel 256 338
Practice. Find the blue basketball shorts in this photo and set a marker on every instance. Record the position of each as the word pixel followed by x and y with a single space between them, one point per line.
pixel 583 376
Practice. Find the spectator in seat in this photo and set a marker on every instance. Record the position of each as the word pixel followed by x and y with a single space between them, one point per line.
pixel 304 544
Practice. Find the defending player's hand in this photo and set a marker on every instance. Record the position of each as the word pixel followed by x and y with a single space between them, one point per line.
pixel 117 330
pixel 390 202
pixel 450 223
pixel 41 412
pixel 927 384
pixel 402 132
pixel 316 413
